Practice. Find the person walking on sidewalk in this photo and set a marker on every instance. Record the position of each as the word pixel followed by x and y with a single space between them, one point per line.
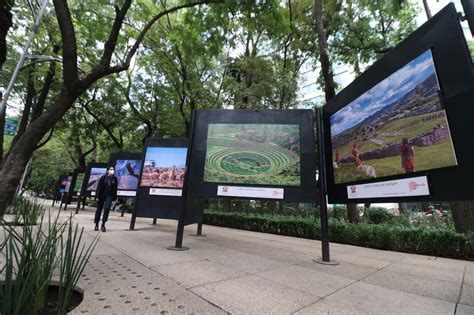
pixel 106 193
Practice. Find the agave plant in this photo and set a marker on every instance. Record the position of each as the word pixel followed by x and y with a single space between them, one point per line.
pixel 24 212
pixel 32 254
pixel 73 259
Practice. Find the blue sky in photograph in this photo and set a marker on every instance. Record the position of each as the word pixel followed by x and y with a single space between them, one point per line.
pixel 166 157
pixel 121 167
pixel 98 170
pixel 386 92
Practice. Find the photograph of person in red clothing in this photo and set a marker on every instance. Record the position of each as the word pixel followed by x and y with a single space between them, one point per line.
pixel 408 156
pixel 388 122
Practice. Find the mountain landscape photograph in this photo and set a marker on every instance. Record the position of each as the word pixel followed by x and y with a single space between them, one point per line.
pixel 398 126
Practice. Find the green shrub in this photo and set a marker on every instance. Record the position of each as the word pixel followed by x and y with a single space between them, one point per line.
pixel 427 241
pixel 338 212
pixel 378 215
pixel 401 220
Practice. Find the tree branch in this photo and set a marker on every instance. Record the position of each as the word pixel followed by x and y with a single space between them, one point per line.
pixel 68 39
pixel 105 69
pixel 41 144
pixel 156 18
pixel 39 106
pixel 109 46
pixel 126 93
pixel 106 127
pixel 29 100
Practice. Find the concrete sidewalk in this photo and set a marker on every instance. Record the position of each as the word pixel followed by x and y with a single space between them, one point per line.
pixel 239 272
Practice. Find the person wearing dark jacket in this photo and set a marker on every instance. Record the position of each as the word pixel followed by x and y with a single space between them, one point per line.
pixel 106 193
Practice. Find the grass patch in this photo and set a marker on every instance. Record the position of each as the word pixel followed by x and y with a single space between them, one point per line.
pixel 431 157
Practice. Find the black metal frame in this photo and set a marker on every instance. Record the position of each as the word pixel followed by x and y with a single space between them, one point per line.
pixel 444 36
pixel 151 206
pixel 305 192
pixel 114 157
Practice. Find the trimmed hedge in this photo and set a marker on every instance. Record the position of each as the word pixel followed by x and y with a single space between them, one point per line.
pixel 426 241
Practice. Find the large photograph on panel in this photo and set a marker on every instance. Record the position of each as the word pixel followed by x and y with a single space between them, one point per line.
pixel 91 178
pixel 164 167
pixel 95 174
pixel 127 170
pixel 160 190
pixel 406 117
pixel 398 126
pixel 260 154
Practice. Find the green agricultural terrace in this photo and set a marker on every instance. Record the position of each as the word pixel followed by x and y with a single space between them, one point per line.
pixel 265 164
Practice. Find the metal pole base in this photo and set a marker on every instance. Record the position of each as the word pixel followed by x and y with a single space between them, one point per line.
pixel 178 249
pixel 198 235
pixel 327 263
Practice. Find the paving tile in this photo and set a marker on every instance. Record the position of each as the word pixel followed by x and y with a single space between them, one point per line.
pixel 120 285
pixel 469 277
pixel 247 262
pixel 360 261
pixel 462 309
pixel 434 262
pixel 254 295
pixel 341 248
pixel 470 266
pixel 310 249
pixel 429 273
pixel 288 257
pixel 363 298
pixel 437 289
pixel 376 253
pixel 307 280
pixel 467 295
pixel 198 273
pixel 345 270
pixel 148 252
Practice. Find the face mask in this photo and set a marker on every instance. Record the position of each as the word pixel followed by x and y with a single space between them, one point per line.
pixel 111 172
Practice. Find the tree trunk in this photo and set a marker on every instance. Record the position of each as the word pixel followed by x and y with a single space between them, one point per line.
pixel 403 206
pixel 353 213
pixel 19 155
pixel 463 216
pixel 2 130
pixel 427 9
pixel 274 207
pixel 227 204
pixel 326 68
pixel 5 24
pixel 424 206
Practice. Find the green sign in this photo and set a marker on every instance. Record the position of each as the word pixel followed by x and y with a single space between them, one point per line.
pixel 10 133
pixel 11 121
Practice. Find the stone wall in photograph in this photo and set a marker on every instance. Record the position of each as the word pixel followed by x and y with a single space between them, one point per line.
pixel 392 149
